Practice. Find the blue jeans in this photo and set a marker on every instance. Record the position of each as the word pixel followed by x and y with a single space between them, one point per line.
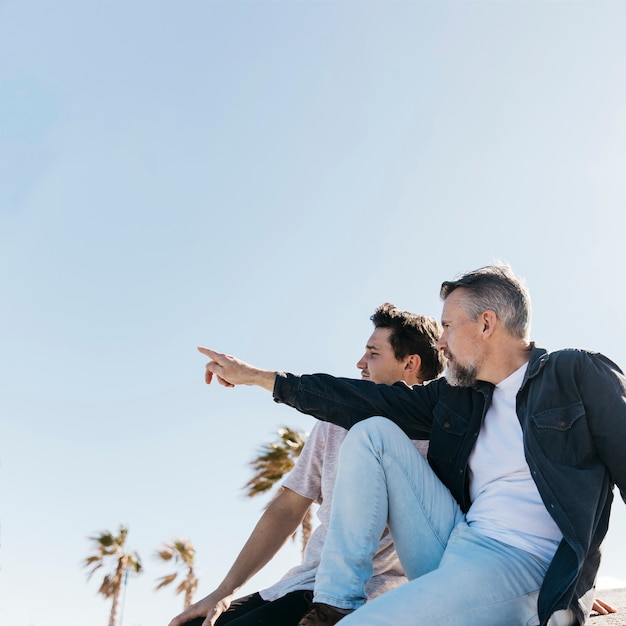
pixel 457 576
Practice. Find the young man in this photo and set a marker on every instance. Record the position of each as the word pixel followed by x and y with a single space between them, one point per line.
pixel 401 348
pixel 504 524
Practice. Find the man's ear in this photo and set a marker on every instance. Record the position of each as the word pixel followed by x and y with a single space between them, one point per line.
pixel 413 364
pixel 489 320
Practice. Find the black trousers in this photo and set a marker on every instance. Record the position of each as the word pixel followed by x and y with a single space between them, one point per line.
pixel 252 610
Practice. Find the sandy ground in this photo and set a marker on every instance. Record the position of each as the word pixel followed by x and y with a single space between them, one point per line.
pixel 617 599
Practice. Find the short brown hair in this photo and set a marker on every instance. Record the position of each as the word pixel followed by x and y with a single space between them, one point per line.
pixel 412 334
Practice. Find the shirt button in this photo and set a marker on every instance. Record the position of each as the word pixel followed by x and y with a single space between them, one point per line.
pixel 446 425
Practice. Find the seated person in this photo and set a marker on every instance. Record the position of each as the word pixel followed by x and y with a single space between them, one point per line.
pixel 505 522
pixel 401 348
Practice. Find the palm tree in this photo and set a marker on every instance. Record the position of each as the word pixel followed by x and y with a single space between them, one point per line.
pixel 110 548
pixel 181 552
pixel 276 459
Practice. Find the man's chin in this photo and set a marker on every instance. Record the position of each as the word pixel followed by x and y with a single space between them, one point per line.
pixel 461 376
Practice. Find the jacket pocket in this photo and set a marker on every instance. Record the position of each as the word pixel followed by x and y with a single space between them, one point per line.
pixel 447 434
pixel 563 434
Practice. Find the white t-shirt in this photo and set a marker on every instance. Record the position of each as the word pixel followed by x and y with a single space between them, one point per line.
pixel 314 477
pixel 506 504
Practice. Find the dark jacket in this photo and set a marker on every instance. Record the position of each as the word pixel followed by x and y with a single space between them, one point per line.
pixel 572 409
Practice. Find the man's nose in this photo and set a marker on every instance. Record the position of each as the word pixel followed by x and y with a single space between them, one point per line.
pixel 441 343
pixel 362 363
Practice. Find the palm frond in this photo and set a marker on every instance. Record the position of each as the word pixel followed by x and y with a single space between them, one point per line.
pixel 133 563
pixel 109 548
pixel 110 585
pixel 166 580
pixel 275 459
pixel 182 552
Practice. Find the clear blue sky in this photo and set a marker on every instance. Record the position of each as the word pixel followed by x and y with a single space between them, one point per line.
pixel 258 177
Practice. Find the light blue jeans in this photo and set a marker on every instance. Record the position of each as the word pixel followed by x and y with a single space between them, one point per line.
pixel 457 577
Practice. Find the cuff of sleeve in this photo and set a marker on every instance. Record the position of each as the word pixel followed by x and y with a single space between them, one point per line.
pixel 285 387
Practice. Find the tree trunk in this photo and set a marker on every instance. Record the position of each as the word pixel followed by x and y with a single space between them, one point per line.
pixel 192 585
pixel 115 608
pixel 119 577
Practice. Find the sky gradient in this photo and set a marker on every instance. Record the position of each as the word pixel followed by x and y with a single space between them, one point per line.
pixel 258 177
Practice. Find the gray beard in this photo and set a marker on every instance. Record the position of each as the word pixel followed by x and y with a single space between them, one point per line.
pixel 461 375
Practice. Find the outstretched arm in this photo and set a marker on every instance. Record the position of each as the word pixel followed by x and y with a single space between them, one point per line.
pixel 231 371
pixel 279 521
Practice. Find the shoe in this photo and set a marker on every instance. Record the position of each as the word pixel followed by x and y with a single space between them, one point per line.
pixel 321 615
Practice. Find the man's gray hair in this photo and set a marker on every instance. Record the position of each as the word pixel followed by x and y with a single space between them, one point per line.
pixel 494 288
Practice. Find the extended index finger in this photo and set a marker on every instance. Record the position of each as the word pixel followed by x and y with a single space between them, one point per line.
pixel 210 353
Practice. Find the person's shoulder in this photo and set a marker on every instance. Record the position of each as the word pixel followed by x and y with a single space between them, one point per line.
pixel 322 444
pixel 582 357
pixel 575 354
pixel 571 353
